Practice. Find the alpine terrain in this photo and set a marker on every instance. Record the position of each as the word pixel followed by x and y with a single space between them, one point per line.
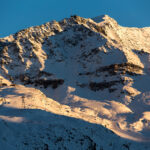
pixel 76 84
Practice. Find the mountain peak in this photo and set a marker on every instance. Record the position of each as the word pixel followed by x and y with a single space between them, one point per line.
pixel 90 69
pixel 100 18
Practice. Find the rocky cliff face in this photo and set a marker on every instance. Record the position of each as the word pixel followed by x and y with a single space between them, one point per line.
pixel 89 69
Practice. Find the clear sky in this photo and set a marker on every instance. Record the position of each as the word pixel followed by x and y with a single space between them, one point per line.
pixel 19 14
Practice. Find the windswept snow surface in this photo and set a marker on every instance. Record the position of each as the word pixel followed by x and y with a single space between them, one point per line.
pixel 75 84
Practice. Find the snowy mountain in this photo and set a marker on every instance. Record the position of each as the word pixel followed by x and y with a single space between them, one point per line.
pixel 75 84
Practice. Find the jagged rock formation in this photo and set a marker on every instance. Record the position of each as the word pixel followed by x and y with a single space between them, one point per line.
pixel 95 69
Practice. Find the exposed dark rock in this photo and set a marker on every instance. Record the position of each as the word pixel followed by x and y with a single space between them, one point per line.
pixel 103 85
pixel 125 68
pixel 53 83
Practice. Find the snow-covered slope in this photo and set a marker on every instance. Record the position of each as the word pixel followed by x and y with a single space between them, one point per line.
pixel 62 81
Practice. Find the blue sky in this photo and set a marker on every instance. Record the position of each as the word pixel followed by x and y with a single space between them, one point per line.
pixel 19 14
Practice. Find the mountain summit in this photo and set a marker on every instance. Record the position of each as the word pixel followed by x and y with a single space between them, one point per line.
pixel 75 84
